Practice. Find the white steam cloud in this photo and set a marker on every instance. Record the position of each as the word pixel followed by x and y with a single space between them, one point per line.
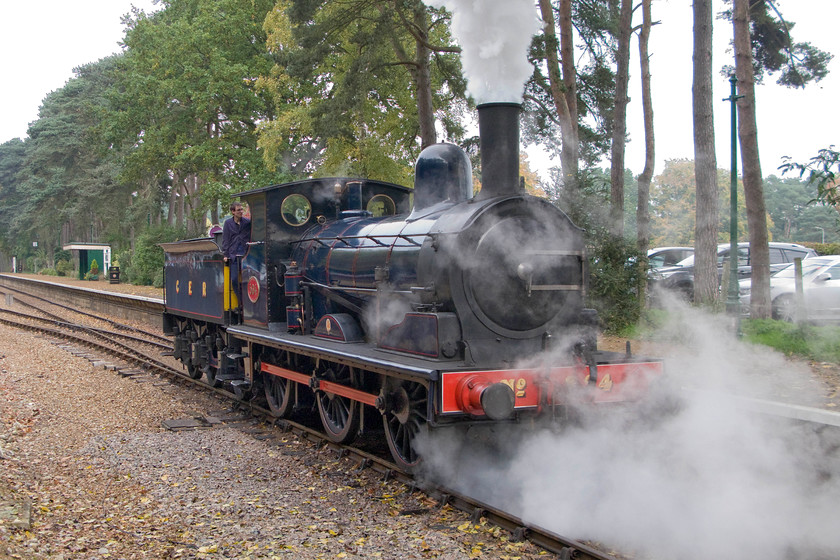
pixel 686 474
pixel 494 37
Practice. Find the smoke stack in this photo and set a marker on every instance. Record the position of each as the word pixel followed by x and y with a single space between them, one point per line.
pixel 498 130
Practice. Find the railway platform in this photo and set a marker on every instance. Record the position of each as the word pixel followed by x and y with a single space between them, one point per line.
pixel 125 301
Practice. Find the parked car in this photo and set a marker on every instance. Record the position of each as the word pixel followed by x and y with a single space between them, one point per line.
pixel 820 290
pixel 680 278
pixel 660 257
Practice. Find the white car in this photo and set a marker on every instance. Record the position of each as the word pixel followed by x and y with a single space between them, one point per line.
pixel 820 288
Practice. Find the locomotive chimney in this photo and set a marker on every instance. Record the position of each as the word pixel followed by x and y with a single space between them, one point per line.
pixel 498 130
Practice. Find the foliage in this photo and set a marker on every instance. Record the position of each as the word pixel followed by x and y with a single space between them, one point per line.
pixel 614 274
pixel 64 267
pixel 796 213
pixel 11 162
pixel 774 50
pixel 145 265
pixel 825 248
pixel 820 343
pixel 93 273
pixel 346 87
pixel 184 103
pixel 595 81
pixel 672 200
pixel 823 171
pixel 48 272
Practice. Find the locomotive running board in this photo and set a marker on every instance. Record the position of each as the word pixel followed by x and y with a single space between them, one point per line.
pixel 356 355
pixel 321 384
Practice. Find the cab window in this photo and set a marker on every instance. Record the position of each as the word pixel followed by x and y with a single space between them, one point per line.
pixel 381 205
pixel 296 209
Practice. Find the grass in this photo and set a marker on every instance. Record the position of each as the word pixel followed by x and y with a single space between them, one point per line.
pixel 820 343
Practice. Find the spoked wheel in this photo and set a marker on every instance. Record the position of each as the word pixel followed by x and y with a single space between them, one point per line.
pixel 405 420
pixel 339 415
pixel 193 370
pixel 278 393
pixel 210 376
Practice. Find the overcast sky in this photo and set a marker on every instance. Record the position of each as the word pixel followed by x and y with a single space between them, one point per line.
pixel 43 41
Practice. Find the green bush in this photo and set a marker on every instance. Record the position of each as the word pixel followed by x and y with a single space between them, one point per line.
pixel 48 272
pixel 614 268
pixel 93 273
pixel 64 268
pixel 145 265
pixel 61 255
pixel 826 248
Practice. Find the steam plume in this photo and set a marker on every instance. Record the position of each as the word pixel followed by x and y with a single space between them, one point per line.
pixel 494 36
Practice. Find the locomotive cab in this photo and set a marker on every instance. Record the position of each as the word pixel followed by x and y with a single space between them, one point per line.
pixel 283 215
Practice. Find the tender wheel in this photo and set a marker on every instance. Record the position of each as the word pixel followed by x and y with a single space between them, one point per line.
pixel 404 420
pixel 784 308
pixel 339 415
pixel 278 393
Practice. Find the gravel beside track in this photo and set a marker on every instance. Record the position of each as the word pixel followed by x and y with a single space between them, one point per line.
pixel 85 450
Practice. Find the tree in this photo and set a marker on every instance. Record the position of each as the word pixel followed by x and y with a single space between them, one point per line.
pixel 561 85
pixel 11 162
pixel 619 120
pixel 185 108
pixel 643 183
pixel 796 211
pixel 823 172
pixel 705 166
pixel 759 43
pixel 748 139
pixel 673 206
pixel 356 84
pixel 570 96
pixel 69 178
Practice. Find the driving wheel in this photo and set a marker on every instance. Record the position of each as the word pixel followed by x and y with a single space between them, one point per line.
pixel 278 393
pixel 404 420
pixel 339 415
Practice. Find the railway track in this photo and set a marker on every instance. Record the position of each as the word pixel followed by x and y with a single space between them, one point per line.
pixel 124 358
pixel 116 349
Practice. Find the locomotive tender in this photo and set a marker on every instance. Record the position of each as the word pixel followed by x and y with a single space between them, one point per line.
pixel 458 310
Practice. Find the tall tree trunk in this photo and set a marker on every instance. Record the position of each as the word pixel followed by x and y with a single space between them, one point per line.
pixel 425 106
pixel 622 79
pixel 173 200
pixel 563 86
pixel 753 186
pixel 643 206
pixel 705 163
pixel 182 198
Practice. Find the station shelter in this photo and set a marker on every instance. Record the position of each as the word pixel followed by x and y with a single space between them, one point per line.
pixel 85 253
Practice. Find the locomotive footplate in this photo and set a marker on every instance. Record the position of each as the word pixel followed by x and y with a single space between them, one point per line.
pixel 358 355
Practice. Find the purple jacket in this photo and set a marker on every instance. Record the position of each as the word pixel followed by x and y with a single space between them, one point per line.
pixel 235 237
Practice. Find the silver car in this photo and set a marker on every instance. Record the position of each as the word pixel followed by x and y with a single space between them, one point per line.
pixel 820 286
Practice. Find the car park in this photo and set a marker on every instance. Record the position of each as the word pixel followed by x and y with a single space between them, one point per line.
pixel 820 291
pixel 679 279
pixel 661 257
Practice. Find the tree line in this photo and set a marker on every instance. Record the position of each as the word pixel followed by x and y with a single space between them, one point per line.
pixel 213 97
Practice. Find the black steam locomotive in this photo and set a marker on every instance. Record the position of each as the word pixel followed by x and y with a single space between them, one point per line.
pixel 456 310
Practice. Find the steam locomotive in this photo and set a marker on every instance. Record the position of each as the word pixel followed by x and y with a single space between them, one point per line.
pixel 456 310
